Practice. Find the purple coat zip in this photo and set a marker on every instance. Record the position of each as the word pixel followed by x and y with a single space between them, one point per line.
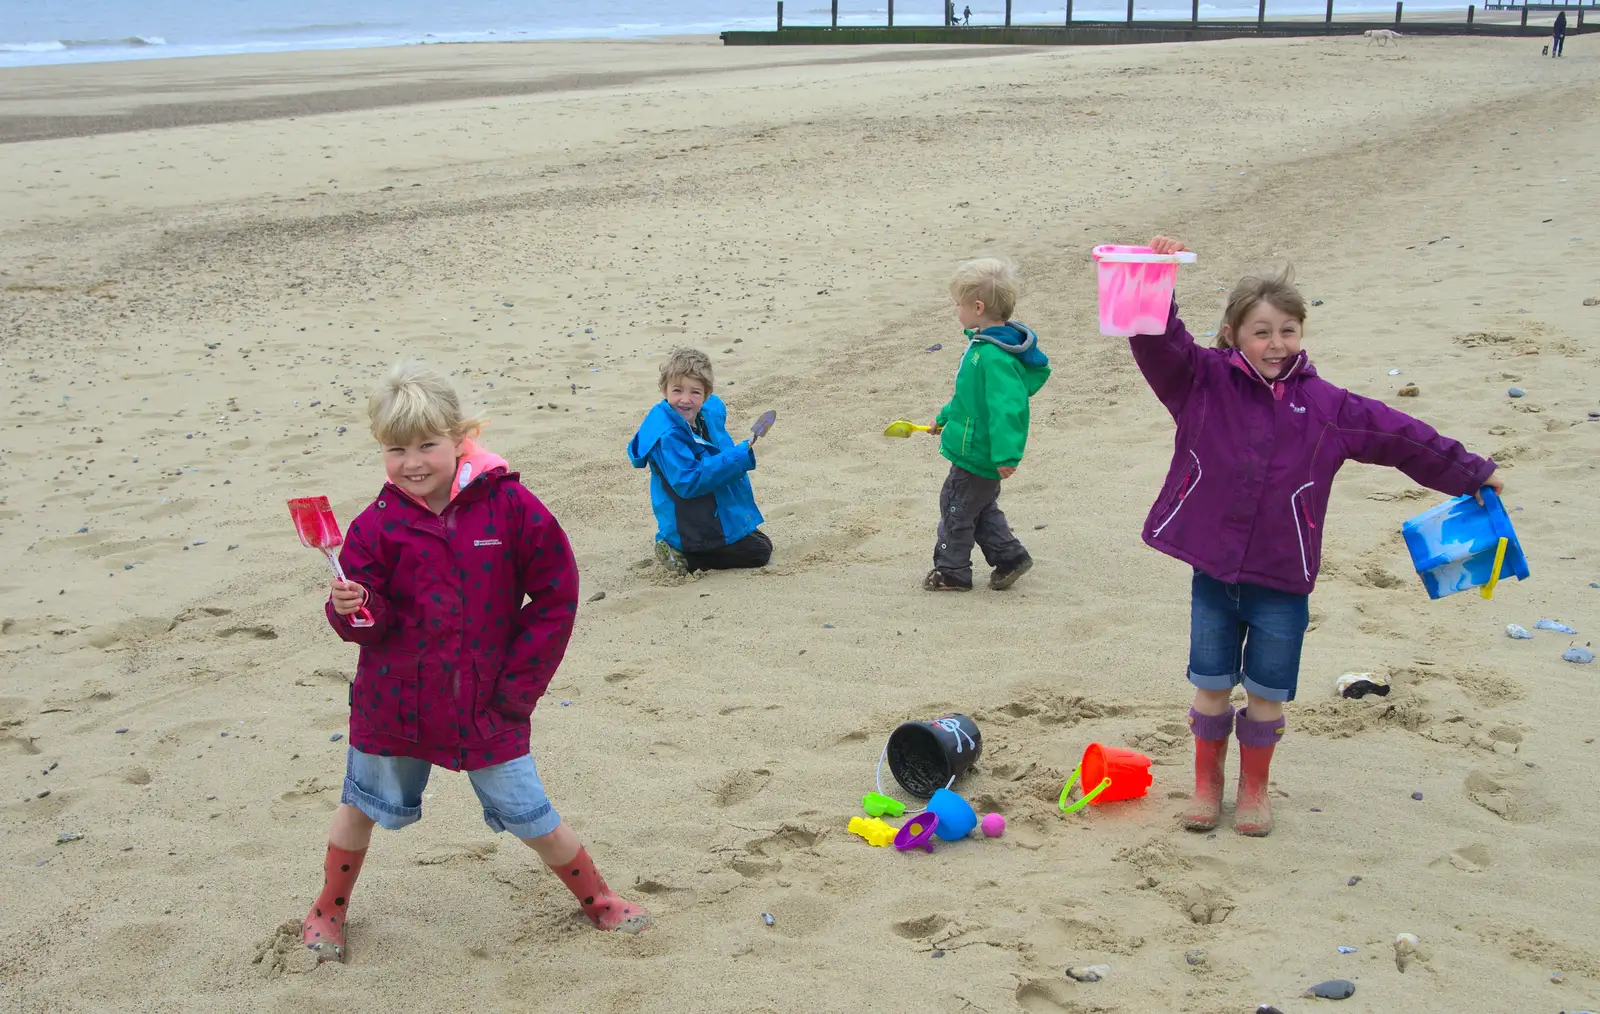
pixel 455 661
pixel 1247 492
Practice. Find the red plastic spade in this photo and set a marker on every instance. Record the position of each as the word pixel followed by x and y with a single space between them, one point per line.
pixel 314 520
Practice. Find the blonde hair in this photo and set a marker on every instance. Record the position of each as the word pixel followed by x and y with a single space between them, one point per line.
pixel 414 402
pixel 1276 289
pixel 990 279
pixel 687 364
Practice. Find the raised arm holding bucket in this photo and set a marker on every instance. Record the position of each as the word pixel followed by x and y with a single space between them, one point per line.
pixel 1259 438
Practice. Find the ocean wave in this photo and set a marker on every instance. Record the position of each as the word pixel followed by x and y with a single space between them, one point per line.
pixel 131 42
pixel 323 29
pixel 31 47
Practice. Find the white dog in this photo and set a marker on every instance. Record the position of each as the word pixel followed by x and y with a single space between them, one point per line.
pixel 1382 36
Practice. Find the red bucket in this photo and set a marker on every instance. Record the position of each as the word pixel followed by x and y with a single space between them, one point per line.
pixel 1115 773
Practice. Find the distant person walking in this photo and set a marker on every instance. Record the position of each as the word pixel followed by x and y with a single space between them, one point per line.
pixel 1560 36
pixel 966 16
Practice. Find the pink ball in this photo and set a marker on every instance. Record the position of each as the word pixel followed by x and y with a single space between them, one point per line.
pixel 993 825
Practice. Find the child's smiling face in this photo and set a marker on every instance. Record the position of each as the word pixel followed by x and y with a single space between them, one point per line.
pixel 1268 338
pixel 685 395
pixel 424 468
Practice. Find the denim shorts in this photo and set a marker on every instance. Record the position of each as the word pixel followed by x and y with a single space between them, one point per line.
pixel 389 791
pixel 1244 633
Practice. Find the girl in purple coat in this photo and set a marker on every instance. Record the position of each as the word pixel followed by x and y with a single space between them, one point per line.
pixel 1260 437
pixel 462 593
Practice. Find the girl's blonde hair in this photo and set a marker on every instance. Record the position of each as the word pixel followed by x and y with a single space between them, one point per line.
pixel 992 280
pixel 1277 289
pixel 414 402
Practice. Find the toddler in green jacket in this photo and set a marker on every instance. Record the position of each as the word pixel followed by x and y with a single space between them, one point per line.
pixel 984 428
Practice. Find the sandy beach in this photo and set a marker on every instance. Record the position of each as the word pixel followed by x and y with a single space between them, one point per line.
pixel 206 264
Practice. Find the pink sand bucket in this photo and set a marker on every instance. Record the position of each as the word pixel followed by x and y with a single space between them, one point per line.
pixel 1136 288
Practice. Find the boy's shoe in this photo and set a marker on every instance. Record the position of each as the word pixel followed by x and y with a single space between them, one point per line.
pixel 938 580
pixel 670 558
pixel 1006 574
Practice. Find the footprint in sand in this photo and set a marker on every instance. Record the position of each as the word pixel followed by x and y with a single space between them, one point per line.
pixel 1042 996
pixel 14 742
pixel 764 855
pixel 308 792
pixel 203 612
pixel 446 853
pixel 1468 859
pixel 1515 795
pixel 920 927
pixel 1205 906
pixel 740 787
pixel 260 633
pixel 129 632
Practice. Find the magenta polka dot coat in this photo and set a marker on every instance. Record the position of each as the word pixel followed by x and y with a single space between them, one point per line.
pixel 472 611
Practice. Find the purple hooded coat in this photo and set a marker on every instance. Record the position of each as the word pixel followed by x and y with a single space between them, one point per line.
pixel 455 661
pixel 1247 491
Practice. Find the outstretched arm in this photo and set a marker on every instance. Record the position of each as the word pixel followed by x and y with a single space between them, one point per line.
pixel 1376 434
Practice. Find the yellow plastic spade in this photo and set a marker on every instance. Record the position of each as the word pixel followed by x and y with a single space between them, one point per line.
pixel 1499 561
pixel 904 428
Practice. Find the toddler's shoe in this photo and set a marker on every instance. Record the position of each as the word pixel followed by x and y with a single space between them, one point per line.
pixel 938 580
pixel 670 558
pixel 1006 574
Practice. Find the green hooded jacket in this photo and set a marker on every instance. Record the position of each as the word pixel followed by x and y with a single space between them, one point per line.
pixel 985 425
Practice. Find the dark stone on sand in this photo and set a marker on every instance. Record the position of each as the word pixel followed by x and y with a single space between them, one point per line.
pixel 1417 796
pixel 1334 989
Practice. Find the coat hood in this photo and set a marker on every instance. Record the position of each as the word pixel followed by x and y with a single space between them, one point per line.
pixel 663 419
pixel 1016 338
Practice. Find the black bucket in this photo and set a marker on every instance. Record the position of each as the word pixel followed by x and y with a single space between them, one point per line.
pixel 926 756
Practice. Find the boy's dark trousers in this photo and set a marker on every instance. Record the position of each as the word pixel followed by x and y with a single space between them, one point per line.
pixel 969 511
pixel 754 550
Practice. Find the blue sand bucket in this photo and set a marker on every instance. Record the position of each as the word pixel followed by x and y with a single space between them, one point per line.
pixel 1462 544
pixel 956 819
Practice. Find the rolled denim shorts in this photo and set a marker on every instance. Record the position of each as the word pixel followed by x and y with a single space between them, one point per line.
pixel 389 790
pixel 1244 633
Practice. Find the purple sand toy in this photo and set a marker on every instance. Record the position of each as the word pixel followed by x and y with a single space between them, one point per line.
pixel 763 424
pixel 917 833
